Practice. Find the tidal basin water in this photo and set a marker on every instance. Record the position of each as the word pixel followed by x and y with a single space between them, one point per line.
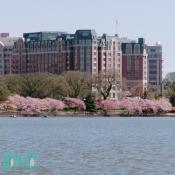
pixel 93 146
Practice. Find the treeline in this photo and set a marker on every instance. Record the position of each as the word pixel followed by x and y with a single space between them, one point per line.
pixel 75 84
pixel 42 85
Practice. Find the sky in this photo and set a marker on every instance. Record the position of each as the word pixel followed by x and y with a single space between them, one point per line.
pixel 151 19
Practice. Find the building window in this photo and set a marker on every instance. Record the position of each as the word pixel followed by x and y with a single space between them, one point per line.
pixel 128 48
pixel 128 63
pixel 81 59
pixel 137 48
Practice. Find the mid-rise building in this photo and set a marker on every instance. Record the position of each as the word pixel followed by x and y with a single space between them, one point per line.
pixel 38 52
pixel 85 51
pixel 56 52
pixel 110 59
pixel 155 66
pixel 6 51
pixel 110 54
pixel 134 64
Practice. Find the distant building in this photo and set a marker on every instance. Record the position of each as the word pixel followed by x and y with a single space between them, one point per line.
pixel 56 52
pixel 6 51
pixel 85 51
pixel 38 52
pixel 110 59
pixel 110 54
pixel 134 63
pixel 155 66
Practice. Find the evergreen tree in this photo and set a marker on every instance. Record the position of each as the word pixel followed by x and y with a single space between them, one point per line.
pixel 90 103
pixel 172 100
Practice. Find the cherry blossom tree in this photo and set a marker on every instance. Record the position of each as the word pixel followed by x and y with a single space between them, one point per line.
pixel 137 105
pixel 107 105
pixel 132 105
pixel 30 104
pixel 74 103
pixel 53 104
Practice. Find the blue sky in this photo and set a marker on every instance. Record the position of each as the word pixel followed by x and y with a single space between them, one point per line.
pixel 152 19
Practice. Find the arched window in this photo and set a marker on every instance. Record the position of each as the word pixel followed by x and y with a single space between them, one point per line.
pixel 137 48
pixel 31 46
pixel 128 48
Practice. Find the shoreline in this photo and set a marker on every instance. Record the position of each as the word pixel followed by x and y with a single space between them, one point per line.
pixel 83 115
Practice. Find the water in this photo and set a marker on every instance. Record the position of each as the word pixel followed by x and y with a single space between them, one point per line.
pixel 93 146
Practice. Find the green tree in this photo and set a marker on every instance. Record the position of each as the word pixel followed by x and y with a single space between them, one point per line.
pixel 35 85
pixel 13 83
pixel 57 87
pixel 169 87
pixel 78 83
pixel 172 100
pixel 4 92
pixel 90 102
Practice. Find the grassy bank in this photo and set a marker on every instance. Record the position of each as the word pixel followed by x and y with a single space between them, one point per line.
pixel 73 113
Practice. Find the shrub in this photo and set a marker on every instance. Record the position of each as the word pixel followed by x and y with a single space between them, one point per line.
pixel 90 103
pixel 4 92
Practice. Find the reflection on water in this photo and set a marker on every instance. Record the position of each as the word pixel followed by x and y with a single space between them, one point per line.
pixel 93 146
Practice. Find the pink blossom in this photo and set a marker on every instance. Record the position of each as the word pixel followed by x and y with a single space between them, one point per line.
pixel 137 105
pixel 108 104
pixel 74 103
pixel 30 104
pixel 132 105
pixel 53 104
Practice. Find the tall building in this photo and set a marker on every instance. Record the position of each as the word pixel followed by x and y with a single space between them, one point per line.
pixel 38 52
pixel 6 50
pixel 155 66
pixel 85 51
pixel 110 54
pixel 134 63
pixel 110 59
pixel 56 52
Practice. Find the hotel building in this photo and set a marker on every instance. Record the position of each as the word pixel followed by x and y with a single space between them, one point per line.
pixel 56 52
pixel 134 61
pixel 155 66
pixel 6 51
